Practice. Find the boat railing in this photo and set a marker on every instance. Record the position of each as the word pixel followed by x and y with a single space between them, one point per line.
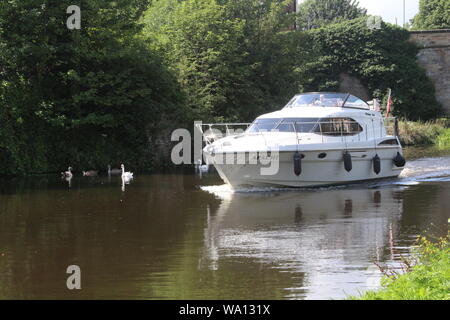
pixel 215 131
pixel 391 125
pixel 342 128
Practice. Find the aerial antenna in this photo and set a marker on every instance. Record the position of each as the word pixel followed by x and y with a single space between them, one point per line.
pixel 404 13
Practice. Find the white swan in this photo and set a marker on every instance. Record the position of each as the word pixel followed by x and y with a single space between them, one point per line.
pixel 126 175
pixel 202 168
pixel 68 173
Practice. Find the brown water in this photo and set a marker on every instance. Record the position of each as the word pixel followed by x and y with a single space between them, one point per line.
pixel 182 236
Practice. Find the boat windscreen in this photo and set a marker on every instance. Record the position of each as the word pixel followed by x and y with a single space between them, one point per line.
pixel 263 125
pixel 341 100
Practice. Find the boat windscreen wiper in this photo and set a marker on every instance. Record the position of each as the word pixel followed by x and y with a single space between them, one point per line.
pixel 345 101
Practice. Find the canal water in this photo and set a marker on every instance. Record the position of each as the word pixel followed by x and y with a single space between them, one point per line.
pixel 185 236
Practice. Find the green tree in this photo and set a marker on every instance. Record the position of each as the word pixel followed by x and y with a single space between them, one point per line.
pixel 274 53
pixel 204 49
pixel 382 58
pixel 233 59
pixel 433 14
pixel 317 13
pixel 81 97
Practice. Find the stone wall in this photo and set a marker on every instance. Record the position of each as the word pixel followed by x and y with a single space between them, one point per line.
pixel 434 57
pixel 352 84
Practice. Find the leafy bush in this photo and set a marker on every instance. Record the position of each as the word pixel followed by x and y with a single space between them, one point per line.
pixel 443 141
pixel 83 98
pixel 428 278
pixel 418 133
pixel 233 59
pixel 433 14
pixel 317 13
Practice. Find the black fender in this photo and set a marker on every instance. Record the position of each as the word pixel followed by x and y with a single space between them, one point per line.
pixel 399 160
pixel 348 165
pixel 298 163
pixel 377 164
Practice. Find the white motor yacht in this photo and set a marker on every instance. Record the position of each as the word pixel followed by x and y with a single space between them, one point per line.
pixel 317 139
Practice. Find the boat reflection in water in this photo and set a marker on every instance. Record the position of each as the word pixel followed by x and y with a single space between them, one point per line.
pixel 318 235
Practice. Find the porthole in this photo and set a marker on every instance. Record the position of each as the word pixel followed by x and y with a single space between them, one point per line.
pixel 322 156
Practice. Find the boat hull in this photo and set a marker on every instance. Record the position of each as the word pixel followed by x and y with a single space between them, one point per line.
pixel 316 170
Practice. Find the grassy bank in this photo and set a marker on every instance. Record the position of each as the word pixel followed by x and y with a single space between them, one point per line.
pixel 427 276
pixel 443 140
pixel 425 133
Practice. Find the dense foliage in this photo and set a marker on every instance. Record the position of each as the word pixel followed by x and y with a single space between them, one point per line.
pixel 233 59
pixel 318 13
pixel 433 14
pixel 443 140
pixel 113 91
pixel 83 98
pixel 427 276
pixel 413 133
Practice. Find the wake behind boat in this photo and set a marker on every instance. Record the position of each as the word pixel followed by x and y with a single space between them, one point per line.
pixel 317 139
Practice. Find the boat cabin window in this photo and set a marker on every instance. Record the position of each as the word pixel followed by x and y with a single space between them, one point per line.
pixel 339 127
pixel 325 126
pixel 340 100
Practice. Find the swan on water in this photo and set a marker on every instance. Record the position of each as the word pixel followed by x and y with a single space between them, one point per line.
pixel 202 168
pixel 68 173
pixel 126 175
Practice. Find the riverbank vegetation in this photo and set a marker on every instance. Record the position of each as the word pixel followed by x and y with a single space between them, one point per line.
pixel 434 132
pixel 426 276
pixel 113 91
pixel 443 140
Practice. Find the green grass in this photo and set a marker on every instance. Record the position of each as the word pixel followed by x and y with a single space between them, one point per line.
pixel 427 276
pixel 420 133
pixel 443 140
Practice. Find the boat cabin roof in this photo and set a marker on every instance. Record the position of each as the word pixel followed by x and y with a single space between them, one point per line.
pixel 324 105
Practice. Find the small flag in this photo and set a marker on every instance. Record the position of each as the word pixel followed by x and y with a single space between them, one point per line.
pixel 389 104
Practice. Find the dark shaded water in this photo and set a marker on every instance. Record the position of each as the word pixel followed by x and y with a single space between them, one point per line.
pixel 181 236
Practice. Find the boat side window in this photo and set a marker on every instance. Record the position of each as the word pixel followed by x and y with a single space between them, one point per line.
pixel 339 127
pixel 263 125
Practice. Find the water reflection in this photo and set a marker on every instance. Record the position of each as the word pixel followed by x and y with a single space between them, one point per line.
pixel 68 180
pixel 125 181
pixel 320 235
